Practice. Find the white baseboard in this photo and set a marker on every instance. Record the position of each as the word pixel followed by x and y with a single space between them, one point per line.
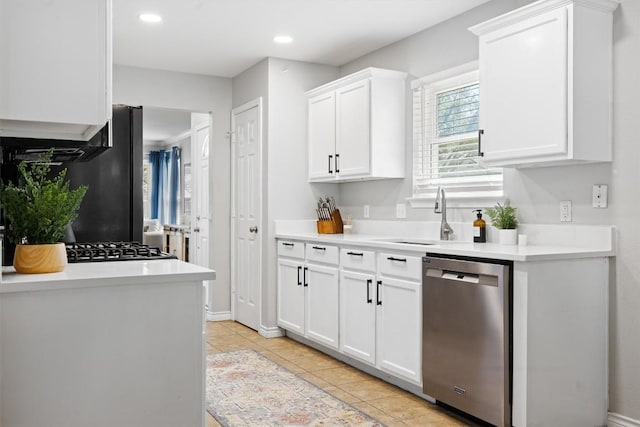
pixel 617 420
pixel 221 315
pixel 272 332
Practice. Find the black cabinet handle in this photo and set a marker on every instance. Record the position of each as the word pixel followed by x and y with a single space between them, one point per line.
pixel 369 281
pixel 480 133
pixel 287 244
pixel 355 253
pixel 304 275
pixel 390 258
pixel 337 168
pixel 299 268
pixel 378 300
pixel 330 158
pixel 320 248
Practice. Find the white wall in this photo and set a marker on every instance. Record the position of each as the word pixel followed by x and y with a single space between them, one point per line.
pixel 286 193
pixel 193 92
pixel 537 192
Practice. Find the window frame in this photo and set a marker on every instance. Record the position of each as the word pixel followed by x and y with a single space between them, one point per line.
pixel 481 187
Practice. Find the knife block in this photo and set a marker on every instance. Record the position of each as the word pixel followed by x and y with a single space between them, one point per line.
pixel 334 226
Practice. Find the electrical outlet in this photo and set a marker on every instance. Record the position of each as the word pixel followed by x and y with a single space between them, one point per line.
pixel 401 210
pixel 599 198
pixel 565 211
pixel 366 211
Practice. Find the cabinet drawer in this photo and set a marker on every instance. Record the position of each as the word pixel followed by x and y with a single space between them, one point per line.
pixel 291 249
pixel 322 253
pixel 409 267
pixel 357 259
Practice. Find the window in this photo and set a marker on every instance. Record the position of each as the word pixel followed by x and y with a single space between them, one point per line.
pixel 446 110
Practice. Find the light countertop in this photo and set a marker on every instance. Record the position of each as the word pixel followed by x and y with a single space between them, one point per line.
pixel 458 248
pixel 113 273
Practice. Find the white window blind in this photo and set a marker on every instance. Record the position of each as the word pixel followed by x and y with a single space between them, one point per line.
pixel 446 111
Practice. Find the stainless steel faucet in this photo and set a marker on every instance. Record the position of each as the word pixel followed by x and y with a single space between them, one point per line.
pixel 441 208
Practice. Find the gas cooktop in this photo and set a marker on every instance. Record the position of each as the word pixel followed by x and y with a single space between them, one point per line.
pixel 113 251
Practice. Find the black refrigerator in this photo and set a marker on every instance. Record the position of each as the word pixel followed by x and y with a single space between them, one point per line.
pixel 111 210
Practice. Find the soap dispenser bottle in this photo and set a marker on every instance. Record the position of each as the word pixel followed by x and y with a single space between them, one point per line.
pixel 479 228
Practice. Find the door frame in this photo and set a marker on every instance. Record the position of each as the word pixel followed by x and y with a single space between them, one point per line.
pixel 195 178
pixel 257 102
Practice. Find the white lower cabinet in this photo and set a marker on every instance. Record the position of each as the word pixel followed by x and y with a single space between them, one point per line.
pixel 399 328
pixel 308 292
pixel 372 314
pixel 358 315
pixel 322 304
pixel 290 295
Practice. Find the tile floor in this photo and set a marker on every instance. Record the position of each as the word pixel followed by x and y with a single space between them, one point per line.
pixel 382 401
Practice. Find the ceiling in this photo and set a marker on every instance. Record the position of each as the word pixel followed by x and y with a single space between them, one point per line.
pixel 225 37
pixel 160 124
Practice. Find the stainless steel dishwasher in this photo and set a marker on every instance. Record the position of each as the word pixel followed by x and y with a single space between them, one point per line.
pixel 466 335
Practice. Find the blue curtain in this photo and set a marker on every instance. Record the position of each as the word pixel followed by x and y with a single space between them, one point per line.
pixel 174 184
pixel 154 161
pixel 165 185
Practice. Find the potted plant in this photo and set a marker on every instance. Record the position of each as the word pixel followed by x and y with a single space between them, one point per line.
pixel 38 210
pixel 503 217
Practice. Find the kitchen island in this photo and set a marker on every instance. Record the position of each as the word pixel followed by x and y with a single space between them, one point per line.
pixel 103 344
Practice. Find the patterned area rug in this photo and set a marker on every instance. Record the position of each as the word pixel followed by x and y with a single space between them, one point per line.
pixel 244 388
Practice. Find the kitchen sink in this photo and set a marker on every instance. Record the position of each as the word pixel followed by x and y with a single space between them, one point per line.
pixel 409 241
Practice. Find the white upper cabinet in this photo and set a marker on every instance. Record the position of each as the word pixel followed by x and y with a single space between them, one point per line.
pixel 55 68
pixel 546 84
pixel 356 127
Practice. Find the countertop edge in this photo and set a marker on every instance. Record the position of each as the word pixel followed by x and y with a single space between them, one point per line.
pixel 477 250
pixel 133 272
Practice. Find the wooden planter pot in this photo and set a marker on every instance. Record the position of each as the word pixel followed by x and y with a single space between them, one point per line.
pixel 35 259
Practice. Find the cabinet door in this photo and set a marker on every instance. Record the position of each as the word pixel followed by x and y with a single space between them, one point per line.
pixel 322 137
pixel 523 88
pixel 399 327
pixel 353 127
pixel 322 304
pixel 290 295
pixel 358 315
pixel 55 62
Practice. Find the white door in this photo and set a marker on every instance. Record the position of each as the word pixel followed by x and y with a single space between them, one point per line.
pixel 358 315
pixel 523 88
pixel 247 254
pixel 291 295
pixel 399 328
pixel 322 137
pixel 353 130
pixel 201 221
pixel 322 304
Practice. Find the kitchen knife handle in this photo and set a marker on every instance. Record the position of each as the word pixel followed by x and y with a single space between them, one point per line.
pixel 337 168
pixel 299 282
pixel 369 282
pixel 390 258
pixel 304 277
pixel 378 300
pixel 355 253
pixel 480 133
pixel 330 158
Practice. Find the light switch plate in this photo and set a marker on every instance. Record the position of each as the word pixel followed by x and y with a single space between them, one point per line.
pixel 366 211
pixel 401 210
pixel 565 211
pixel 599 198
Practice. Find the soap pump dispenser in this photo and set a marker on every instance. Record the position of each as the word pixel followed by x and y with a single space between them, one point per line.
pixel 479 228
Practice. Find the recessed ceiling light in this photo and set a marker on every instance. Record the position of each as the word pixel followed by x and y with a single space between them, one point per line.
pixel 282 39
pixel 150 17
